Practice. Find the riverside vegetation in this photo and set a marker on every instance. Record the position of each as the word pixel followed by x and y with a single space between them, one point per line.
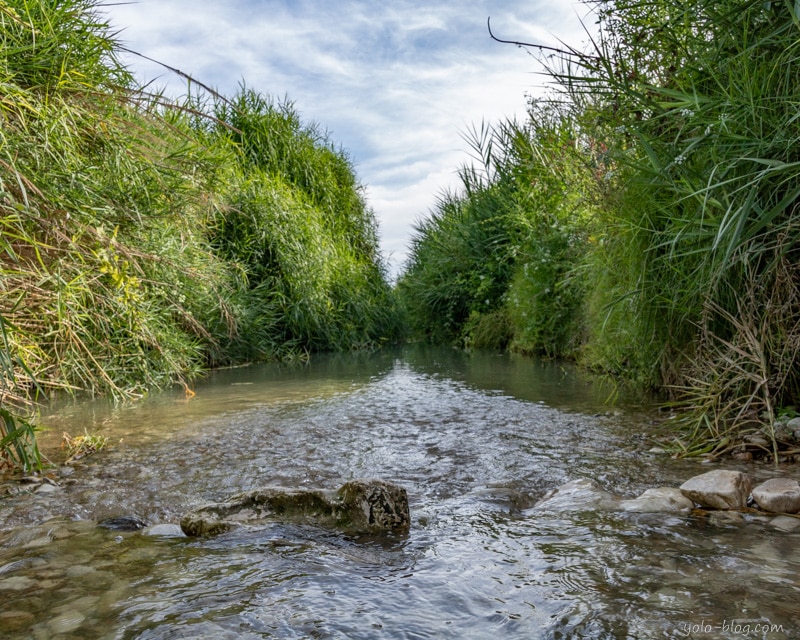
pixel 143 240
pixel 642 219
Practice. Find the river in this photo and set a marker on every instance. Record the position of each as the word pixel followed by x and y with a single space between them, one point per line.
pixel 475 439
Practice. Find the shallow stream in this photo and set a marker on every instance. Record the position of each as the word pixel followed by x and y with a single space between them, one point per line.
pixel 475 439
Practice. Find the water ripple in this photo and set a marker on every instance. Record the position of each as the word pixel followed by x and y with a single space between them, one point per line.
pixel 476 441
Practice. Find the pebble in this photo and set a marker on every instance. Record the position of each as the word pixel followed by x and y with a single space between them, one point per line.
pixel 165 531
pixel 17 583
pixel 86 603
pixel 785 523
pixel 79 571
pixel 66 622
pixel 721 518
pixel 46 488
pixel 15 620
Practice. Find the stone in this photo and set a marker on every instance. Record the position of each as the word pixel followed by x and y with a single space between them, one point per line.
pixel 359 506
pixel 719 489
pixel 784 433
pixel 778 495
pixel 39 542
pixel 15 620
pixel 17 583
pixel 726 518
pixel 164 531
pixel 46 488
pixel 659 500
pixel 372 506
pixel 122 523
pixel 794 425
pixel 578 495
pixel 79 571
pixel 66 623
pixel 785 523
pixel 758 440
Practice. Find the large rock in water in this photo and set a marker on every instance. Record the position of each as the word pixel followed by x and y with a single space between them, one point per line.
pixel 659 500
pixel 583 494
pixel 778 495
pixel 719 489
pixel 359 506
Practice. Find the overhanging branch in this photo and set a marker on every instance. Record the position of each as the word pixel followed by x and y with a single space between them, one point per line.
pixel 567 53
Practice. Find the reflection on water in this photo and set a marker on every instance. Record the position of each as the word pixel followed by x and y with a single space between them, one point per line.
pixel 476 440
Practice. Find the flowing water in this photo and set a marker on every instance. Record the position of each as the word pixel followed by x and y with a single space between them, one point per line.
pixel 476 440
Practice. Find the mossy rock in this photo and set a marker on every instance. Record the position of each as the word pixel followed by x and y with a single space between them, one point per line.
pixel 359 506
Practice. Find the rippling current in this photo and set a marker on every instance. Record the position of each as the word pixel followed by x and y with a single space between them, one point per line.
pixel 475 439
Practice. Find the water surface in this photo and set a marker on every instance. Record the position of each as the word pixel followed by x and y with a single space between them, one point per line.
pixel 476 440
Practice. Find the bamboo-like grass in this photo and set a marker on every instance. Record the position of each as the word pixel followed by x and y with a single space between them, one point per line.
pixel 508 246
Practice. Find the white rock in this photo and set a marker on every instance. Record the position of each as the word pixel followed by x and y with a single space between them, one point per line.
pixel 66 623
pixel 785 523
pixel 778 495
pixel 578 495
pixel 659 500
pixel 719 489
pixel 164 530
pixel 17 583
pixel 46 488
pixel 79 571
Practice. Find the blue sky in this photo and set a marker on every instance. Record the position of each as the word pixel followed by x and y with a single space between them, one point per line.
pixel 396 84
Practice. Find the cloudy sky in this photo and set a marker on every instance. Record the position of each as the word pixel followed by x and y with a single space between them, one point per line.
pixel 395 83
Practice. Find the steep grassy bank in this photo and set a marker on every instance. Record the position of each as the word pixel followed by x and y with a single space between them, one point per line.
pixel 142 241
pixel 659 233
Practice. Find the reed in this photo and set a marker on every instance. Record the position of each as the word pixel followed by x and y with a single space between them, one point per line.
pixel 145 238
pixel 703 96
pixel 651 217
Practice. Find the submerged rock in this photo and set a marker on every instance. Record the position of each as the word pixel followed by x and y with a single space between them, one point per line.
pixel 359 506
pixel 164 531
pixel 778 495
pixel 719 489
pixel 123 523
pixel 659 500
pixel 785 523
pixel 577 495
pixel 585 494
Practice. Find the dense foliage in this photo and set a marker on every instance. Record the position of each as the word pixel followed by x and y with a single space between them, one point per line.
pixel 657 213
pixel 142 241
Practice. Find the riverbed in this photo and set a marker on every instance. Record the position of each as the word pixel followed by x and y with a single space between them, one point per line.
pixel 476 439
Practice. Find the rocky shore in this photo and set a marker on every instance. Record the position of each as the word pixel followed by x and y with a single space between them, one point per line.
pixel 775 501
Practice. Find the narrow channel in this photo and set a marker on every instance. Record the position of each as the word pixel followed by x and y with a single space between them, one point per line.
pixel 476 439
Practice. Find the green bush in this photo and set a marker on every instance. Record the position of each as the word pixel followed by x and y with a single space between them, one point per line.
pixel 510 246
pixel 296 225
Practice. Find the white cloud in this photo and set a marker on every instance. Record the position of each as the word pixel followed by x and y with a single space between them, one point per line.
pixel 395 85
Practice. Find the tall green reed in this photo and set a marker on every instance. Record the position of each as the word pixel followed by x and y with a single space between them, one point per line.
pixel 698 102
pixel 144 238
pixel 297 225
pixel 496 264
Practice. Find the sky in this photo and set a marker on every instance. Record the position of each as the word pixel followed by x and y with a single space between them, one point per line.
pixel 396 84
